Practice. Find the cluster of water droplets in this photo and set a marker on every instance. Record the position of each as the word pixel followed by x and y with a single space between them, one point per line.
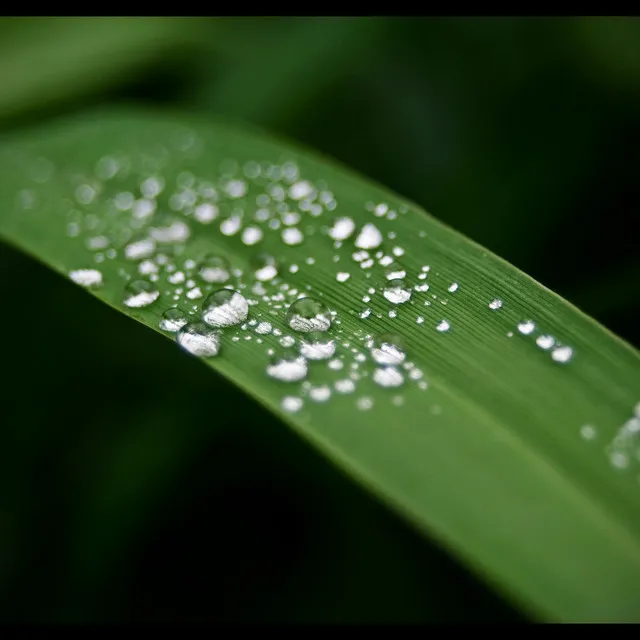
pixel 157 226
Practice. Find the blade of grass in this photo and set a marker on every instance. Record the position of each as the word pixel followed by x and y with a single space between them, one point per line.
pixel 489 459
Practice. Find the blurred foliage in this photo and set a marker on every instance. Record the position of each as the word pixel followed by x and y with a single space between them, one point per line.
pixel 521 133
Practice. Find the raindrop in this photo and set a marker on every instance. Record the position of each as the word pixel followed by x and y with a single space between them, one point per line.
pixel 287 366
pixel 307 314
pixel 214 269
pixel 225 308
pixel 86 277
pixel 292 236
pixel 342 228
pixel 395 271
pixel 292 404
pixel 388 349
pixel 526 327
pixel 369 237
pixel 320 394
pixel 140 249
pixel 176 231
pixel 342 276
pixel 388 377
pixel 443 325
pixel 545 342
pixel 251 236
pixel 397 291
pixel 265 267
pixel 140 293
pixel 317 345
pixel 495 304
pixel 173 320
pixel 562 354
pixel 199 340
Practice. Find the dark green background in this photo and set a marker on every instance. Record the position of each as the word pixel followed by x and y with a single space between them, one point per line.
pixel 135 485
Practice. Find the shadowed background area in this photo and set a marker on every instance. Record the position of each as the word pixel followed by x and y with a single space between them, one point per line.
pixel 135 484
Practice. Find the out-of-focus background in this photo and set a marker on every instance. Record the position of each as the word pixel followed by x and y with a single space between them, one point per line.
pixel 136 485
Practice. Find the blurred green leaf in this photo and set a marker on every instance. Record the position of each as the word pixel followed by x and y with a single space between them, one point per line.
pixel 491 459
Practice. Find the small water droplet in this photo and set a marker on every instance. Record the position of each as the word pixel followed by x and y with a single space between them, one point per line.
pixel 526 327
pixel 453 287
pixel 199 340
pixel 86 277
pixel 388 349
pixel 265 267
pixel 292 236
pixel 342 276
pixel 388 377
pixel 225 308
pixel 495 304
pixel 562 354
pixel 317 345
pixel 214 268
pixel 588 432
pixel 443 325
pixel 140 293
pixel 342 228
pixel 307 314
pixel 140 249
pixel 365 403
pixel 397 291
pixel 287 365
pixel 205 213
pixel 395 271
pixel 320 394
pixel 345 385
pixel 251 236
pixel 291 404
pixel 545 342
pixel 173 320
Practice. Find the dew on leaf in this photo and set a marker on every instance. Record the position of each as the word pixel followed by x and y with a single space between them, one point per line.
pixel 308 314
pixel 369 237
pixel 342 228
pixel 287 365
pixel 292 236
pixel 140 293
pixel 397 291
pixel 86 277
pixel 526 327
pixel 265 267
pixel 562 354
pixel 140 249
pixel 388 349
pixel 495 304
pixel 199 340
pixel 214 269
pixel 291 404
pixel 443 326
pixel 317 345
pixel 545 342
pixel 173 320
pixel 388 377
pixel 320 394
pixel 251 236
pixel 225 308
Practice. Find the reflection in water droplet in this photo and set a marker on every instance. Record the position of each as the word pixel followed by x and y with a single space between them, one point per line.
pixel 287 365
pixel 395 271
pixel 388 377
pixel 173 320
pixel 225 308
pixel 140 293
pixel 265 267
pixel 199 340
pixel 214 269
pixel 307 314
pixel 317 345
pixel 86 277
pixel 388 349
pixel 397 291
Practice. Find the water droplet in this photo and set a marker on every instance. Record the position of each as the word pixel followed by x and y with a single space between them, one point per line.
pixel 176 231
pixel 317 345
pixel 205 213
pixel 369 237
pixel 251 236
pixel 388 377
pixel 545 342
pixel 562 354
pixel 320 394
pixel 265 267
pixel 173 320
pixel 199 340
pixel 302 189
pixel 345 386
pixel 496 303
pixel 140 293
pixel 140 249
pixel 395 271
pixel 292 236
pixel 225 308
pixel 214 269
pixel 342 276
pixel 443 325
pixel 307 314
pixel 365 403
pixel 287 366
pixel 588 432
pixel 86 277
pixel 342 228
pixel 397 291
pixel 388 349
pixel 231 225
pixel 453 287
pixel 526 327
pixel 291 404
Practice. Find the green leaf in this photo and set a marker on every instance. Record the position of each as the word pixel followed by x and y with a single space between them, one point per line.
pixel 523 465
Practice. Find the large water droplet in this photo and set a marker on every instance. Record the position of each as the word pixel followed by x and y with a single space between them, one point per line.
pixel 369 237
pixel 265 267
pixel 317 345
pixel 287 366
pixel 397 291
pixel 140 293
pixel 388 349
pixel 225 308
pixel 86 277
pixel 173 320
pixel 307 314
pixel 199 340
pixel 214 269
